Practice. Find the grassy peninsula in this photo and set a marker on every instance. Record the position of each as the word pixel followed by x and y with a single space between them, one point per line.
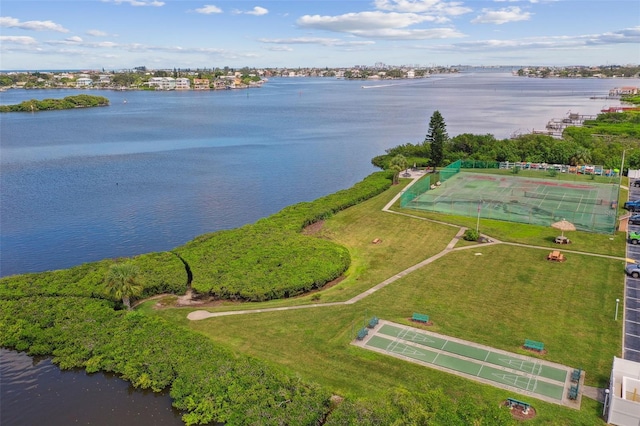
pixel 285 366
pixel 69 102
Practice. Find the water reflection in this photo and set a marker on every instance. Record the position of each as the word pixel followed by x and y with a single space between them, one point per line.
pixel 36 392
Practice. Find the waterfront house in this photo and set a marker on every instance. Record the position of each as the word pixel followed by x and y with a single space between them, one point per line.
pixel 626 90
pixel 104 79
pixel 220 84
pixel 200 84
pixel 83 82
pixel 183 83
pixel 162 83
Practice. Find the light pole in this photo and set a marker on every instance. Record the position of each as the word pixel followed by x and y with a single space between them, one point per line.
pixel 622 165
pixel 617 303
pixel 606 402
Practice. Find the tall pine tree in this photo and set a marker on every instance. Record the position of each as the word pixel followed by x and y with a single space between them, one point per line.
pixel 436 137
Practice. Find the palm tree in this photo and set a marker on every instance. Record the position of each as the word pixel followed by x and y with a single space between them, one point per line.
pixel 122 282
pixel 581 156
pixel 397 164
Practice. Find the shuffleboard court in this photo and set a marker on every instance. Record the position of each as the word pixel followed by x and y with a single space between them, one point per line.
pixel 474 352
pixel 520 373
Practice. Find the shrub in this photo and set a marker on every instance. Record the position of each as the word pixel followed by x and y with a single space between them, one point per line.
pixel 270 259
pixel 471 235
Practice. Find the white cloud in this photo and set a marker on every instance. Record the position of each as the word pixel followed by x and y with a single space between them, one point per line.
pixel 625 36
pixel 417 34
pixel 256 11
pixel 9 22
pixel 362 21
pixel 154 3
pixel 279 49
pixel 74 39
pixel 208 9
pixel 423 6
pixel 96 33
pixel 24 40
pixel 502 16
pixel 316 40
pixel 106 44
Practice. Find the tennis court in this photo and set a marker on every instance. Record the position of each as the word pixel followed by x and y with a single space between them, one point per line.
pixel 589 206
pixel 522 374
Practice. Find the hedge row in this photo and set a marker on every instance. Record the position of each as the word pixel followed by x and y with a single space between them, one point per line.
pixel 270 259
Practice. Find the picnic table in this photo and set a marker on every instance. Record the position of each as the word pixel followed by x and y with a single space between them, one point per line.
pixel 562 240
pixel 556 256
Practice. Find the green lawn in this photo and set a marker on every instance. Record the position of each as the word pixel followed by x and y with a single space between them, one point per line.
pixel 497 295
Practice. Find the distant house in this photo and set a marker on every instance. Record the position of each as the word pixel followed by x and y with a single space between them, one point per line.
pixel 627 90
pixel 201 84
pixel 84 82
pixel 183 84
pixel 162 83
pixel 220 84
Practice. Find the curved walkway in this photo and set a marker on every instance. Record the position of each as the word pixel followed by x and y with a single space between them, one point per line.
pixel 202 314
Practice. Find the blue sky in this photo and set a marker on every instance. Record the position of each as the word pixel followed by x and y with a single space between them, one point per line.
pixel 117 34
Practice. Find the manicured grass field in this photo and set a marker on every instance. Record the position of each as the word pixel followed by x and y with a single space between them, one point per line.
pixel 496 295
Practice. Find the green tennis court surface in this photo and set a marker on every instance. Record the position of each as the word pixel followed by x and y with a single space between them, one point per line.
pixel 589 206
pixel 511 371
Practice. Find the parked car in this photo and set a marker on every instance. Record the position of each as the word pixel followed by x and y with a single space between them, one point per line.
pixel 632 206
pixel 634 237
pixel 633 269
pixel 634 219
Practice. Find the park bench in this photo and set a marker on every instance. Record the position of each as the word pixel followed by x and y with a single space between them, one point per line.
pixel 420 318
pixel 362 333
pixel 373 322
pixel 514 403
pixel 575 376
pixel 532 344
pixel 573 392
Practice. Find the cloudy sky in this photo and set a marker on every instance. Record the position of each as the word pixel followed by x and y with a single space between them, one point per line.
pixel 117 34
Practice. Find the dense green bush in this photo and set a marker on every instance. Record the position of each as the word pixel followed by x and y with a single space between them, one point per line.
pixel 270 259
pixel 160 272
pixel 207 382
pixel 401 407
pixel 471 235
pixel 70 102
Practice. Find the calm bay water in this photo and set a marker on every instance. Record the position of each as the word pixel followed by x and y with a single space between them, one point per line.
pixel 155 169
pixel 36 392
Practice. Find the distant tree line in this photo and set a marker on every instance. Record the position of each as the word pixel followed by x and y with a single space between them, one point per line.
pixel 599 142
